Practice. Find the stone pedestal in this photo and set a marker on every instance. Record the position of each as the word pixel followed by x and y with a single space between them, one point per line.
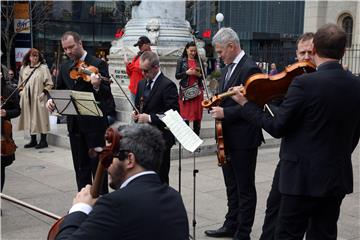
pixel 165 25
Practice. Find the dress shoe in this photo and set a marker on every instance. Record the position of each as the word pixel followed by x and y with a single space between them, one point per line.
pixel 221 232
pixel 42 144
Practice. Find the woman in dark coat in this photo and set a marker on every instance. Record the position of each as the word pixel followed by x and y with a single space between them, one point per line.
pixel 189 74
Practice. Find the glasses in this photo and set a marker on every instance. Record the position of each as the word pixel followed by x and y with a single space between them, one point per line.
pixel 11 74
pixel 121 154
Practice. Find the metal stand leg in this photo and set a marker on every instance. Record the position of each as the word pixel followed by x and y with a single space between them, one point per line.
pixel 179 167
pixel 195 171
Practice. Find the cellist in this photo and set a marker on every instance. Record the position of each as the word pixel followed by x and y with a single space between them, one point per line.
pixel 10 108
pixel 241 140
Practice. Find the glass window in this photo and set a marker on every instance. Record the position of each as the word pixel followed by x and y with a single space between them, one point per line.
pixel 347 24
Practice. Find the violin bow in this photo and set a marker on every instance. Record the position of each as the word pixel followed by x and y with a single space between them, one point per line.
pixel 133 106
pixel 201 66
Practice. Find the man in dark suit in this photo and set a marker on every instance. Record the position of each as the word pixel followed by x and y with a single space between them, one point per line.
pixel 86 132
pixel 320 129
pixel 304 46
pixel 141 207
pixel 156 94
pixel 241 140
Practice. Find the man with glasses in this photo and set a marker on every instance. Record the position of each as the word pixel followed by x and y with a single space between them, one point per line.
pixel 156 94
pixel 141 207
pixel 133 69
pixel 11 78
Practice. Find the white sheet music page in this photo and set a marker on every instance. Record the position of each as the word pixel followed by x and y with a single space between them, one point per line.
pixel 183 133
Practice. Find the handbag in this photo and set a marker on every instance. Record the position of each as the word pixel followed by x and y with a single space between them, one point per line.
pixel 190 92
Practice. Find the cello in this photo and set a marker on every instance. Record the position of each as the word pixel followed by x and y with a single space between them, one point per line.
pixel 112 138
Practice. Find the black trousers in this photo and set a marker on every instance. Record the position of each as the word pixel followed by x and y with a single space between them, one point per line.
pixel 165 166
pixel 296 212
pixel 85 166
pixel 239 176
pixel 272 208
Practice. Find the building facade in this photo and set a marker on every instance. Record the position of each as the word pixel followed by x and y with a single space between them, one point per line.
pixel 347 15
pixel 267 29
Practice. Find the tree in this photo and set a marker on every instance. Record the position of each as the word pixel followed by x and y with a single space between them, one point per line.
pixel 39 12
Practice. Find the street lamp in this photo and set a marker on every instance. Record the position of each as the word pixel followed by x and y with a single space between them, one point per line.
pixel 219 18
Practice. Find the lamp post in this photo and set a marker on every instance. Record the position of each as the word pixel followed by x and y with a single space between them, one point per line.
pixel 219 18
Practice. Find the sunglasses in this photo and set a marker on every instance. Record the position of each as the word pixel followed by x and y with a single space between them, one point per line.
pixel 121 154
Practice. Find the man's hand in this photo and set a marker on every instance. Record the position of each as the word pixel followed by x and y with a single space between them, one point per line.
pixel 217 112
pixel 3 113
pixel 143 118
pixel 239 97
pixel 134 116
pixel 95 80
pixel 50 105
pixel 84 196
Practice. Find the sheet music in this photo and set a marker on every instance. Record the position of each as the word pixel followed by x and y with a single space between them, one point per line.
pixel 86 103
pixel 183 133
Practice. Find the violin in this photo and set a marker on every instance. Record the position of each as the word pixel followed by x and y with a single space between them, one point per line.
pixel 220 143
pixel 262 88
pixel 84 71
pixel 8 146
pixel 112 138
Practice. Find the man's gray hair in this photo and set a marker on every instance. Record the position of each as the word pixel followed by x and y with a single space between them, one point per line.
pixel 152 57
pixel 225 36
pixel 145 142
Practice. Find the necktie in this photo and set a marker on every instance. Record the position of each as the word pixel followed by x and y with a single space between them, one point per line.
pixel 228 74
pixel 147 89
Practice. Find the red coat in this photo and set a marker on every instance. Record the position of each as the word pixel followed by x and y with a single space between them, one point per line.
pixel 134 73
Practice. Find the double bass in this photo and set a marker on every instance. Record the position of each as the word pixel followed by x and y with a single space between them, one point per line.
pixel 112 138
pixel 261 89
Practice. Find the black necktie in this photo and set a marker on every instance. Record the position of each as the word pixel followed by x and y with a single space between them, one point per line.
pixel 147 89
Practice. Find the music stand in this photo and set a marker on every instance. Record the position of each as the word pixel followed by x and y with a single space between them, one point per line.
pixel 69 102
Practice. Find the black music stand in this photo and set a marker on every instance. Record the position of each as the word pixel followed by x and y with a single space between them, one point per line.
pixel 68 102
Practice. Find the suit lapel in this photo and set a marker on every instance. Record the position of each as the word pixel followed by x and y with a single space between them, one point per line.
pixel 235 74
pixel 153 89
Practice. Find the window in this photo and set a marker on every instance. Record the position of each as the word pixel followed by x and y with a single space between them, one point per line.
pixel 347 25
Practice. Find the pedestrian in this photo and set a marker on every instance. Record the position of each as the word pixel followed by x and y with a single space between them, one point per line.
pixel 133 68
pixel 86 132
pixel 273 69
pixel 241 140
pixel 315 154
pixel 12 78
pixel 156 94
pixel 10 108
pixel 140 207
pixel 188 71
pixel 34 83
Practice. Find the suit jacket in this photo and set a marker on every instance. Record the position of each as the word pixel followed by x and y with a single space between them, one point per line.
pixel 87 124
pixel 319 122
pixel 238 132
pixel 144 209
pixel 163 97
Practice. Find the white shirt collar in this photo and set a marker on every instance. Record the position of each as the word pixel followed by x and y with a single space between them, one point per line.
pixel 124 184
pixel 83 56
pixel 239 57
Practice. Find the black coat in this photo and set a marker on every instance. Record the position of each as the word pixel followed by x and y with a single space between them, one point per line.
pixel 181 68
pixel 13 110
pixel 163 97
pixel 238 132
pixel 319 122
pixel 144 209
pixel 88 124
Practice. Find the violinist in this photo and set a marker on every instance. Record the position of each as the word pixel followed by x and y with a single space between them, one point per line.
pixel 11 109
pixel 304 46
pixel 319 130
pixel 241 140
pixel 85 132
pixel 141 207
